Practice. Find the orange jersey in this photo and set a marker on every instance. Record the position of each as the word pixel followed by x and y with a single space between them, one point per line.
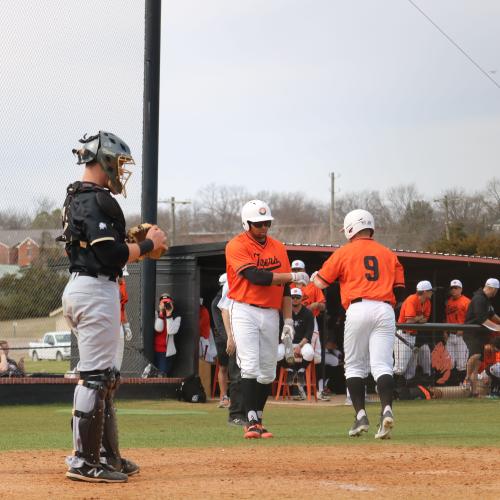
pixel 411 307
pixel 243 252
pixel 311 293
pixel 365 269
pixel 456 309
pixel 123 299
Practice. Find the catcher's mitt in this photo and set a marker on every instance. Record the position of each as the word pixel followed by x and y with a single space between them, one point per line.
pixel 137 234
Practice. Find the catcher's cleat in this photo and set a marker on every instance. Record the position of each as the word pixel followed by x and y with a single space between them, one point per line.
pixel 265 434
pixel 253 431
pixel 359 426
pixel 96 474
pixel 224 402
pixel 236 421
pixel 128 467
pixel 323 395
pixel 386 425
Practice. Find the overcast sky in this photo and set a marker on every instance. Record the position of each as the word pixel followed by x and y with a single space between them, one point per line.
pixel 270 94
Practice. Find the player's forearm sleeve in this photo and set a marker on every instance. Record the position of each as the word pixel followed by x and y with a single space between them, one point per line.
pixel 258 276
pixel 399 293
pixel 286 290
pixel 111 254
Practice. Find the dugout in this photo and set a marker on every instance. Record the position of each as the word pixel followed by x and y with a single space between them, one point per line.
pixel 189 272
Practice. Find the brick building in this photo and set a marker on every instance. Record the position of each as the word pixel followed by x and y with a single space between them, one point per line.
pixel 22 246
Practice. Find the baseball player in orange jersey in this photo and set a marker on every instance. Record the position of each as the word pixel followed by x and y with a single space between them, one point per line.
pixel 416 308
pixel 258 273
pixel 370 276
pixel 456 310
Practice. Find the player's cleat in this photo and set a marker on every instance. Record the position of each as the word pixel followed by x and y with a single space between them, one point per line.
pixel 128 467
pixel 323 395
pixel 224 402
pixel 96 474
pixel 236 422
pixel 359 426
pixel 288 344
pixel 302 394
pixel 386 425
pixel 253 431
pixel 265 434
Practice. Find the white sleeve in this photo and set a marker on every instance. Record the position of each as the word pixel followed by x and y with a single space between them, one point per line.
pixel 225 301
pixel 173 325
pixel 159 324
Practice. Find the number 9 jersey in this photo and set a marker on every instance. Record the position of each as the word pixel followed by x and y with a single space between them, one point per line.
pixel 365 269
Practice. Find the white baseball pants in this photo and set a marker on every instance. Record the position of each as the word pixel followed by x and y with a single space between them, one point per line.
pixel 369 339
pixel 256 334
pixel 458 351
pixel 306 352
pixel 406 359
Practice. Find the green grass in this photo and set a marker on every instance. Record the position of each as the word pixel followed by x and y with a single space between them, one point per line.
pixel 46 366
pixel 158 424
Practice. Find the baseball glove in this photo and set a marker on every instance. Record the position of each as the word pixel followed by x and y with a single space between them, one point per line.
pixel 137 234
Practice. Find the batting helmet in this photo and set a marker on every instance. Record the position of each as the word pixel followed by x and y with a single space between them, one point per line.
pixel 357 220
pixel 255 211
pixel 111 153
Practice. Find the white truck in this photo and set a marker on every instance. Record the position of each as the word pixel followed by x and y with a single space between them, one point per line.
pixel 53 345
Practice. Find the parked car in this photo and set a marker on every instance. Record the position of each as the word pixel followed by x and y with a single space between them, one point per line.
pixel 53 345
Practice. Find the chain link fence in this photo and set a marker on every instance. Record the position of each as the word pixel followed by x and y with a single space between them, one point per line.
pixel 68 68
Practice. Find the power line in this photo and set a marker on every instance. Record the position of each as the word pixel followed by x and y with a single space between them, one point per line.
pixel 485 73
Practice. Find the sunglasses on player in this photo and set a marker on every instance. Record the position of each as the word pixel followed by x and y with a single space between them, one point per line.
pixel 266 223
pixel 296 296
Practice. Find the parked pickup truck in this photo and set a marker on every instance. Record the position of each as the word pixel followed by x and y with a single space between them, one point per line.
pixel 53 345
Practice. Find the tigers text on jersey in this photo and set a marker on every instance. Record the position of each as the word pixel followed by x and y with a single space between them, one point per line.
pixel 365 269
pixel 456 309
pixel 243 252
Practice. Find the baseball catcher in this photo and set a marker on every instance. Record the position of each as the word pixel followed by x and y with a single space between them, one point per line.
pixel 95 238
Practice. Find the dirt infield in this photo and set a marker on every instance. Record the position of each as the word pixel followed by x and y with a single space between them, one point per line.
pixel 381 470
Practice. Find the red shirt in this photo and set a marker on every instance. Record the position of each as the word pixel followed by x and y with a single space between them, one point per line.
pixel 204 322
pixel 160 340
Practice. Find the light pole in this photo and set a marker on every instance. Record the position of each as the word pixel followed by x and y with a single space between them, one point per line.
pixel 446 200
pixel 173 202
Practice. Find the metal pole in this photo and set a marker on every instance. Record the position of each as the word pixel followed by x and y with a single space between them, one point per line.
pixel 447 216
pixel 332 206
pixel 149 207
pixel 172 208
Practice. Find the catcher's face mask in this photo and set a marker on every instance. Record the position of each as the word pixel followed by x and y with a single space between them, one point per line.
pixel 112 154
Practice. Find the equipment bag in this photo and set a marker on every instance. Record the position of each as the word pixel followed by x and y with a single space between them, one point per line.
pixel 191 390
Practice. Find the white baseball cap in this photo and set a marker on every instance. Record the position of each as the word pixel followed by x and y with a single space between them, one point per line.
pixel 222 279
pixel 456 283
pixel 296 291
pixel 492 282
pixel 298 264
pixel 424 286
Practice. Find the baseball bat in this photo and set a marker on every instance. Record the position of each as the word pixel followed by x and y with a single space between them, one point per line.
pixel 406 343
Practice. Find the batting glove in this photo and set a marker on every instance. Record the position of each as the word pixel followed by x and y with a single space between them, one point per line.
pixel 128 331
pixel 300 277
pixel 287 338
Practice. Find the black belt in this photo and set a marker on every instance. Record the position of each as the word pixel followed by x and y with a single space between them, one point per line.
pixel 260 307
pixel 84 273
pixel 360 299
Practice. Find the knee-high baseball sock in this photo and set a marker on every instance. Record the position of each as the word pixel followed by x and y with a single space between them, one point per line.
pixel 356 386
pixel 385 387
pixel 250 398
pixel 263 391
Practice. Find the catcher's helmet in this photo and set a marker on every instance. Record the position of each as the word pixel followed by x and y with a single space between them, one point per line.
pixel 255 211
pixel 111 153
pixel 357 220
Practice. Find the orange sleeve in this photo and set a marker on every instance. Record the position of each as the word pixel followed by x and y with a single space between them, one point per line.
pixel 123 293
pixel 410 310
pixel 331 269
pixel 399 278
pixel 238 256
